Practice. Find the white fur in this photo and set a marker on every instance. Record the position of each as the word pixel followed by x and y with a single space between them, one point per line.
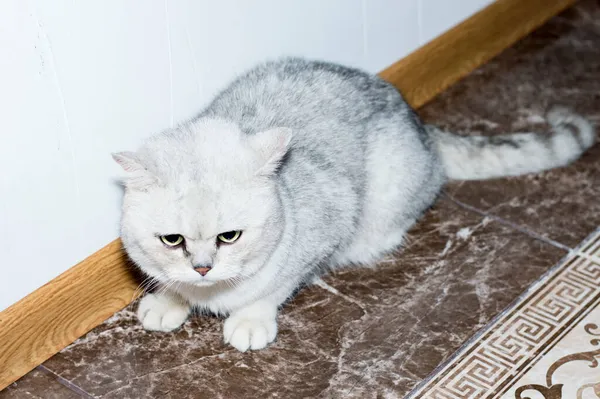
pixel 162 312
pixel 252 327
pixel 380 232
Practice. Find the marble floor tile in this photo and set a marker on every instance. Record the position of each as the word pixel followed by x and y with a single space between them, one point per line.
pixel 43 384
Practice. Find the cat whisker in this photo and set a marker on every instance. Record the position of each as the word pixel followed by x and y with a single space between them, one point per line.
pixel 145 285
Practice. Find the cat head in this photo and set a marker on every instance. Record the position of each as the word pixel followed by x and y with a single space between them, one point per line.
pixel 201 205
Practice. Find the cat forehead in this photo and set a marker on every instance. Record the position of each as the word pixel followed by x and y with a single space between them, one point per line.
pixel 201 213
pixel 212 187
pixel 223 200
pixel 207 136
pixel 205 149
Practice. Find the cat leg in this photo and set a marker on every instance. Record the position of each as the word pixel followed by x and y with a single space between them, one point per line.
pixel 162 311
pixel 253 326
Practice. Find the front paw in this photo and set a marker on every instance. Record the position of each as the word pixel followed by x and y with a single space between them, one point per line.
pixel 243 332
pixel 159 312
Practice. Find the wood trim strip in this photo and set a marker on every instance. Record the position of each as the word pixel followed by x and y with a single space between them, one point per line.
pixel 432 68
pixel 55 315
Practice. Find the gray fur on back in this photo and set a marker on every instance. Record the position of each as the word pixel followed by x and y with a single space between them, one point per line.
pixel 338 116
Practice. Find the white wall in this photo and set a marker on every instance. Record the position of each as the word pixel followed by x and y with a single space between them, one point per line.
pixel 81 79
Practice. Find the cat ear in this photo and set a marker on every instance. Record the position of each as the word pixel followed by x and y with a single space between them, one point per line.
pixel 138 177
pixel 271 146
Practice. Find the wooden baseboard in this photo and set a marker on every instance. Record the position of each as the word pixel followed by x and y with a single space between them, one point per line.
pixel 434 67
pixel 56 314
pixel 49 319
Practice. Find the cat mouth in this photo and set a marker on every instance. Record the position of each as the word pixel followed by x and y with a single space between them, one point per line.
pixel 203 283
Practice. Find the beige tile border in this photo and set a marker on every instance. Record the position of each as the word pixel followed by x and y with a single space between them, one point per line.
pixel 498 356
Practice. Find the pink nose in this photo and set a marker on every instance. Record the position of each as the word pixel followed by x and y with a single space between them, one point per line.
pixel 203 270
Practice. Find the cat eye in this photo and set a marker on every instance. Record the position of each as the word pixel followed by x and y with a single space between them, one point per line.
pixel 172 240
pixel 229 237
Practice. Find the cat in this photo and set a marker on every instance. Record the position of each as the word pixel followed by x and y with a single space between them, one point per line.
pixel 298 167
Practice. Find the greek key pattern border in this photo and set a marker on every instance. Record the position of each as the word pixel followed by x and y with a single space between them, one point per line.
pixel 486 364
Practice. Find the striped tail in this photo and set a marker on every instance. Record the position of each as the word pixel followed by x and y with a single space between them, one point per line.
pixel 482 157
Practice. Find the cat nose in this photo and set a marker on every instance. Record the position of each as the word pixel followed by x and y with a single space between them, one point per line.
pixel 202 269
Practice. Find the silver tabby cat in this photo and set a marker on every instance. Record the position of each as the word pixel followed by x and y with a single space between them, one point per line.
pixel 296 168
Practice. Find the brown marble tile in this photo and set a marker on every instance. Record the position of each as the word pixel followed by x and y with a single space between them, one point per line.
pixel 459 272
pixel 365 333
pixel 38 384
pixel 558 64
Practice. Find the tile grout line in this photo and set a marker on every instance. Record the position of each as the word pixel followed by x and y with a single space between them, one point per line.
pixel 523 230
pixel 64 382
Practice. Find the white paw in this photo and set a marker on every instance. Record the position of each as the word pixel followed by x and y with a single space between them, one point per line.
pixel 161 313
pixel 245 333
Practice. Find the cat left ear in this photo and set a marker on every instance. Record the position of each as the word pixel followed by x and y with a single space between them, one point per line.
pixel 271 146
pixel 139 178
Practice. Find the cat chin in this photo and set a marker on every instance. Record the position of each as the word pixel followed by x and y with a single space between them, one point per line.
pixel 203 283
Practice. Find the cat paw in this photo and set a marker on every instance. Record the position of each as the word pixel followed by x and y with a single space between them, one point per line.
pixel 161 313
pixel 245 333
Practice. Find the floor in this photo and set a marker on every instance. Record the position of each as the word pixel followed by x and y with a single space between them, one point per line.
pixel 379 333
pixel 546 342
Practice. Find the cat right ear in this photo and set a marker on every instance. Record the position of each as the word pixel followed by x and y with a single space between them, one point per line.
pixel 138 177
pixel 270 146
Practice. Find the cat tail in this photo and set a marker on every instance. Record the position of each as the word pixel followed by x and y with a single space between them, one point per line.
pixel 488 157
